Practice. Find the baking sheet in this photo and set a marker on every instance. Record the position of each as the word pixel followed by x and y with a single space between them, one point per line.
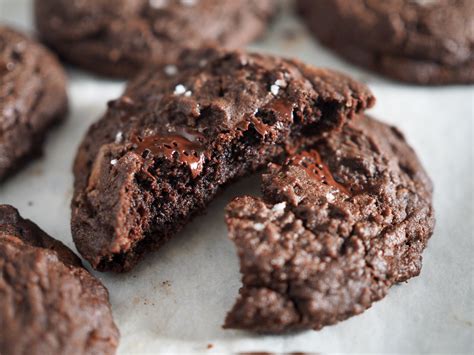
pixel 176 300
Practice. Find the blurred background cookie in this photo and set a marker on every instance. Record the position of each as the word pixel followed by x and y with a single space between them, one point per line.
pixel 338 225
pixel 429 42
pixel 163 150
pixel 32 98
pixel 118 37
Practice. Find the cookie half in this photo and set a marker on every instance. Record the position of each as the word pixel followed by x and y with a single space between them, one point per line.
pixel 32 98
pixel 49 304
pixel 338 225
pixel 174 139
pixel 429 42
pixel 120 37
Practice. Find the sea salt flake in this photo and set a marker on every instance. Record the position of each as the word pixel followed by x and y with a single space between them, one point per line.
pixel 113 162
pixel 279 125
pixel 279 207
pixel 281 83
pixel 259 227
pixel 118 137
pixel 171 70
pixel 158 4
pixel 179 89
pixel 424 2
pixel 330 197
pixel 188 93
pixel 188 2
pixel 275 89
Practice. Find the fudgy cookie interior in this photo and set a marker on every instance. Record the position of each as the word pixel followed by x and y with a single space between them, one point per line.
pixel 165 148
pixel 337 226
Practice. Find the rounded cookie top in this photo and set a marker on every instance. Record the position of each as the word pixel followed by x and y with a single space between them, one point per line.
pixel 49 303
pixel 32 97
pixel 418 41
pixel 118 37
pixel 338 225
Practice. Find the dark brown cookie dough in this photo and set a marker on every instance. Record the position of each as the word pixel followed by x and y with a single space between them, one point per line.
pixel 32 98
pixel 427 42
pixel 337 226
pixel 49 304
pixel 167 146
pixel 119 37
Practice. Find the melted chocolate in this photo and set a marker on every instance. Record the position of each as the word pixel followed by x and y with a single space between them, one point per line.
pixel 259 126
pixel 316 169
pixel 121 103
pixel 280 108
pixel 184 145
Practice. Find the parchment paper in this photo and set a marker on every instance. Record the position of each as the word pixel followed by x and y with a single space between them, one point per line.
pixel 176 300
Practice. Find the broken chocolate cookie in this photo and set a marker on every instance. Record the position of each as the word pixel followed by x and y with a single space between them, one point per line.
pixel 338 225
pixel 175 138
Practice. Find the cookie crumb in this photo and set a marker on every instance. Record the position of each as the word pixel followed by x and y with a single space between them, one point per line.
pixel 210 346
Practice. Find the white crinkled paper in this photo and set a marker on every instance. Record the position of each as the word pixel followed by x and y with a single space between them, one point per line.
pixel 176 300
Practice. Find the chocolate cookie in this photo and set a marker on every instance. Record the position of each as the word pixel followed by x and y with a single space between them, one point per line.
pixel 49 304
pixel 119 37
pixel 32 98
pixel 166 147
pixel 337 226
pixel 427 42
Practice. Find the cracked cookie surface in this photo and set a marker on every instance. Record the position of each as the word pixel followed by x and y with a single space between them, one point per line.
pixel 32 98
pixel 428 42
pixel 49 303
pixel 337 226
pixel 166 147
pixel 119 37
